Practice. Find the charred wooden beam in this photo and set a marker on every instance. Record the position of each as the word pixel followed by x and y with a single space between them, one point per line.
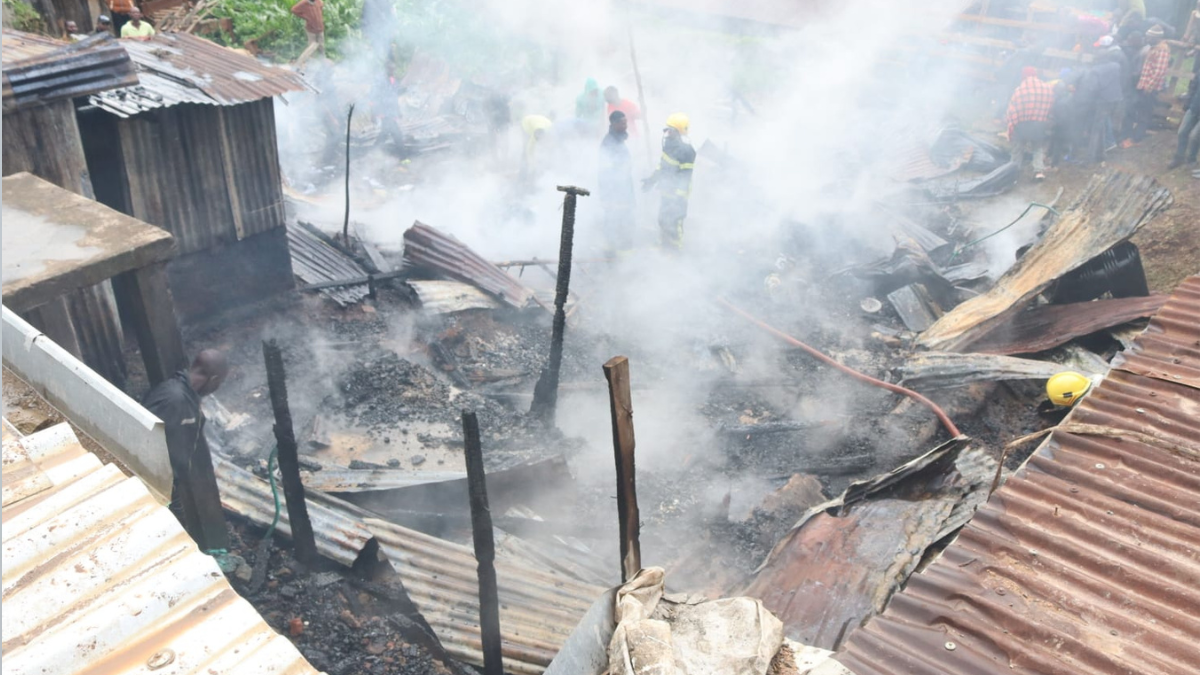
pixel 616 371
pixel 485 548
pixel 545 393
pixel 289 461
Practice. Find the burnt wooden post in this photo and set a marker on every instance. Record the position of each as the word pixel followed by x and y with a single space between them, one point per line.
pixel 616 371
pixel 289 462
pixel 485 548
pixel 144 299
pixel 545 392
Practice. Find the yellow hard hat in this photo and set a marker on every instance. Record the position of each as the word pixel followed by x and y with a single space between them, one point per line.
pixel 679 122
pixel 1066 388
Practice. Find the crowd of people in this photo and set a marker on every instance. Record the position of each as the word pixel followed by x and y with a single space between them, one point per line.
pixel 1082 114
pixel 124 20
pixel 615 186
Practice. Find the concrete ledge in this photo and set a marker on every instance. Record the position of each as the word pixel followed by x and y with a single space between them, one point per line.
pixel 127 430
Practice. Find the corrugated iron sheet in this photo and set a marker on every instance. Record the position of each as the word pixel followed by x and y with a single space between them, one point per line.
pixel 208 175
pixel 1047 326
pixel 1174 353
pixel 99 577
pixel 538 609
pixel 176 68
pixel 1088 559
pixel 53 71
pixel 175 169
pixel 314 261
pixel 338 526
pixel 427 248
pixel 19 46
pixel 445 297
pixel 251 163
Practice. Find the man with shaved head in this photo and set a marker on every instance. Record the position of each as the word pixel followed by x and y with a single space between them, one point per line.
pixel 195 500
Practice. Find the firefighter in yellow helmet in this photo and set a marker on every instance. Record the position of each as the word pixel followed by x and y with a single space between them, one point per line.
pixel 1066 388
pixel 674 180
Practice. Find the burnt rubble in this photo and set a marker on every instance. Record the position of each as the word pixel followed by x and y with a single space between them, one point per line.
pixel 754 455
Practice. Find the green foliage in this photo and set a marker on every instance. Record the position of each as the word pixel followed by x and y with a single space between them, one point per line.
pixel 468 37
pixel 271 25
pixel 23 16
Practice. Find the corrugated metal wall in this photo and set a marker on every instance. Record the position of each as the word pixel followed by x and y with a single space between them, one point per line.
pixel 176 174
pixel 252 166
pixel 207 174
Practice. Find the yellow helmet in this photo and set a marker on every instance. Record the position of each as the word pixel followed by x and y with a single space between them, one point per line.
pixel 679 122
pixel 1066 388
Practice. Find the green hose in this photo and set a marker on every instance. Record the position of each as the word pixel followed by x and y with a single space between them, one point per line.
pixel 964 247
pixel 274 489
pixel 224 560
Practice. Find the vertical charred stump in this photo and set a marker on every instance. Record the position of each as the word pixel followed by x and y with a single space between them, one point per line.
pixel 616 371
pixel 485 548
pixel 545 392
pixel 289 462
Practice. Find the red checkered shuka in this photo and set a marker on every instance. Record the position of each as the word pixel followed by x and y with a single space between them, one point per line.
pixel 1031 102
pixel 1154 70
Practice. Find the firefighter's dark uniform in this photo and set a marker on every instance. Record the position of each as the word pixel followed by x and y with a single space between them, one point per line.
pixel 675 184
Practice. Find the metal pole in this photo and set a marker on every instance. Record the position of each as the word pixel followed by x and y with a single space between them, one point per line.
pixel 545 392
pixel 616 371
pixel 289 462
pixel 637 76
pixel 346 220
pixel 485 548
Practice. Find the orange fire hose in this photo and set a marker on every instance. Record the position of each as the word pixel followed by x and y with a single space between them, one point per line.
pixel 941 414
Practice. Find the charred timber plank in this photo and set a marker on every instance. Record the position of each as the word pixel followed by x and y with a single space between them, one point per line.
pixel 485 548
pixel 289 461
pixel 1111 209
pixel 144 298
pixel 616 371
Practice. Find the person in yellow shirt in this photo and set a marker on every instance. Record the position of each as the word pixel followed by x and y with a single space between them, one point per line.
pixel 137 29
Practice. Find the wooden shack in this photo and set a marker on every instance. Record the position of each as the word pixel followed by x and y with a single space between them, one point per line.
pixel 42 79
pixel 192 148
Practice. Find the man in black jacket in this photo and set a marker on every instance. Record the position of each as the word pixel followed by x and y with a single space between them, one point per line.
pixel 195 500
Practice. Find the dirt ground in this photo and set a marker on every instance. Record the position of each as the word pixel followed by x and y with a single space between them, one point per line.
pixel 30 413
pixel 1170 244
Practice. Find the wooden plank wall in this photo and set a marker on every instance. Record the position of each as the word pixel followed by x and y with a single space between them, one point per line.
pixel 45 142
pixel 174 169
pixel 208 174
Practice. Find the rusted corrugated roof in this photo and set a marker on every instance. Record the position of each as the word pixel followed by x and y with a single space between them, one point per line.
pixel 427 248
pixel 1048 326
pixel 99 577
pixel 39 70
pixel 19 46
pixel 176 68
pixel 1088 559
